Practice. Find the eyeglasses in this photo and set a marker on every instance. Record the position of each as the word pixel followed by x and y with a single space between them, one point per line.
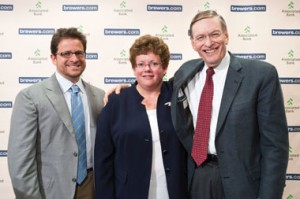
pixel 152 65
pixel 69 54
pixel 212 36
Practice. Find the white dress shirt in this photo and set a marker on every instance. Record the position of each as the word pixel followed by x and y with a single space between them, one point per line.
pixel 65 86
pixel 193 92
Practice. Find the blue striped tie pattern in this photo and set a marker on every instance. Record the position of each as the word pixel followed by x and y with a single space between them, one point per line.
pixel 79 127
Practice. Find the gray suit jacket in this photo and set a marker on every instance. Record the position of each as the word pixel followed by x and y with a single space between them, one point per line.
pixel 251 135
pixel 42 147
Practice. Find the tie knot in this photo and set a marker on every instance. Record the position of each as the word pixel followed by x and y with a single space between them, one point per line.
pixel 74 89
pixel 210 71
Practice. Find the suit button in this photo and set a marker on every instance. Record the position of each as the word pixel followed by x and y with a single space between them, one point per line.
pixel 165 151
pixel 162 131
pixel 73 179
pixel 168 170
pixel 75 154
pixel 146 140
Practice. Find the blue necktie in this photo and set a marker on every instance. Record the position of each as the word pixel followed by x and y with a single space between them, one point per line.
pixel 79 128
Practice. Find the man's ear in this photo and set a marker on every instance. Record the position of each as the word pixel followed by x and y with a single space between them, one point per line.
pixel 53 59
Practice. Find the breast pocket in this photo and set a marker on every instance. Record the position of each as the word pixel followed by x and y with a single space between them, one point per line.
pixel 242 106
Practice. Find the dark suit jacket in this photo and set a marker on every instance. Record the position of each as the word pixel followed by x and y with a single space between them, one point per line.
pixel 251 135
pixel 123 148
pixel 42 148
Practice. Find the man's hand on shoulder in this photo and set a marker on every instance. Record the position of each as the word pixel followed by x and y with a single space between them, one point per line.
pixel 117 89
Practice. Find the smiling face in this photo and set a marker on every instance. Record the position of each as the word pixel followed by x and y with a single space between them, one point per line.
pixel 149 71
pixel 71 68
pixel 209 40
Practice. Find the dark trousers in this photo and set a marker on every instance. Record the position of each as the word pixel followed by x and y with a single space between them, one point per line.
pixel 86 190
pixel 206 182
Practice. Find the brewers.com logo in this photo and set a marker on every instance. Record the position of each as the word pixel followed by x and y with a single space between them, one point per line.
pixel 5 104
pixel 5 55
pixel 80 8
pixel 248 8
pixel 3 153
pixel 7 7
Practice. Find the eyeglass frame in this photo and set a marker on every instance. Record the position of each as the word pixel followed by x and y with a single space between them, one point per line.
pixel 69 54
pixel 151 64
pixel 201 38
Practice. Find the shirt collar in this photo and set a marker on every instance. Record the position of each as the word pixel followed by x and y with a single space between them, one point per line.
pixel 224 64
pixel 66 84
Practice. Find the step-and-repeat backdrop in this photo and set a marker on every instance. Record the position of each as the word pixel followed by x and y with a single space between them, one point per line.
pixel 264 30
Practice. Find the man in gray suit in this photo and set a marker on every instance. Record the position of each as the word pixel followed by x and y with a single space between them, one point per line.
pixel 247 149
pixel 42 150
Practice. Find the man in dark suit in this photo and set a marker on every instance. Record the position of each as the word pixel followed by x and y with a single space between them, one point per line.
pixel 248 139
pixel 43 151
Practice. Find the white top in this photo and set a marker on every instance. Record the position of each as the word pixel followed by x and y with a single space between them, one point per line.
pixel 65 86
pixel 158 183
pixel 193 92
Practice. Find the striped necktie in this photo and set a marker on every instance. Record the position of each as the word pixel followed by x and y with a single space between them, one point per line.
pixel 79 129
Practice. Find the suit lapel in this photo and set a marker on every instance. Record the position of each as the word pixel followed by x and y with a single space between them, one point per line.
pixel 232 84
pixel 179 111
pixel 56 97
pixel 187 73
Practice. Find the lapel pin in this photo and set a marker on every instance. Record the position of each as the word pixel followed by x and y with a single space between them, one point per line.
pixel 168 103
